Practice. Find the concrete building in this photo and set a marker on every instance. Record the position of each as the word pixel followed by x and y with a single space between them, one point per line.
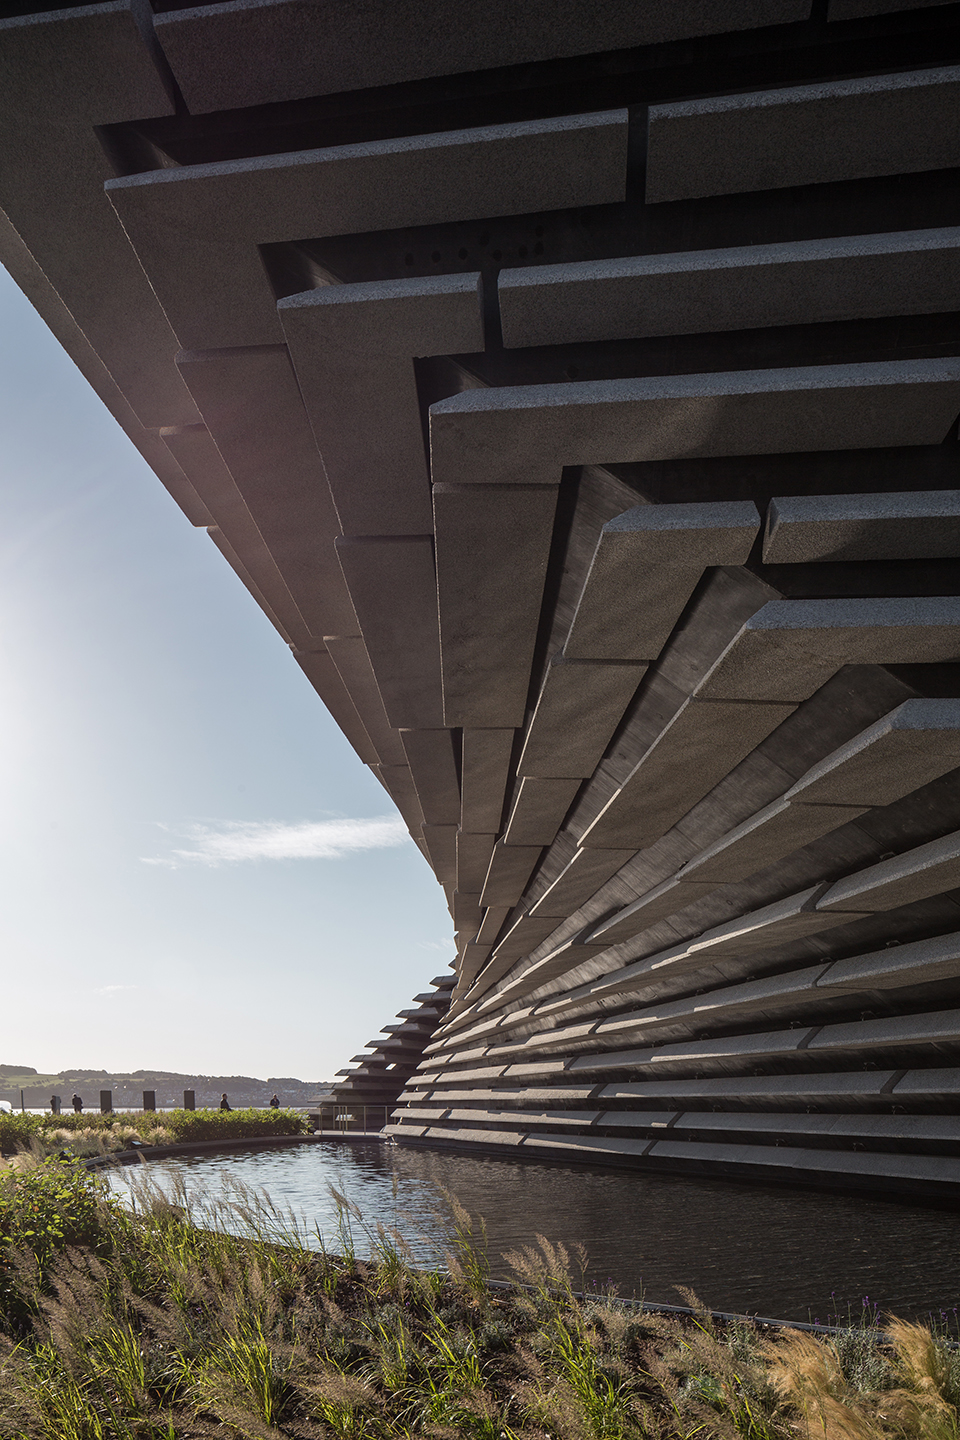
pixel 576 389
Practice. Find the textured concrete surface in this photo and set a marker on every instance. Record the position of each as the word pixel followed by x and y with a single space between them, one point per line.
pixel 349 655
pixel 526 434
pixel 484 538
pixel 349 342
pixel 920 524
pixel 392 583
pixel 805 134
pixel 539 809
pixel 905 750
pixel 196 228
pixel 584 875
pixel 63 75
pixel 740 287
pixel 928 870
pixel 209 49
pixel 442 843
pixel 473 860
pixel 778 830
pixel 790 647
pixel 433 764
pixel 704 741
pixel 196 452
pixel 253 412
pixel 647 562
pixel 510 869
pixel 578 709
pixel 485 768
pixel 324 676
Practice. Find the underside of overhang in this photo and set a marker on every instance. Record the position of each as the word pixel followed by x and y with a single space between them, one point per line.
pixel 576 390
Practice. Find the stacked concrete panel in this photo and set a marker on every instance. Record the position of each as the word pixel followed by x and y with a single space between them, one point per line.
pixel 578 398
pixel 379 1078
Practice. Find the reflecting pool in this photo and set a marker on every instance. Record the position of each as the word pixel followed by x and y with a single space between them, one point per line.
pixel 754 1249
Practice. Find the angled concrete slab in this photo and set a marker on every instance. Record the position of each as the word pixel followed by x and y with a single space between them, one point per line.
pixel 350 342
pixel 197 228
pixel 916 743
pixel 525 434
pixel 578 709
pixel 509 873
pixel 493 919
pixel 65 75
pixel 926 870
pixel 917 962
pixel 398 781
pixel 587 871
pixel 736 288
pixel 473 861
pixel 539 810
pixel 433 765
pixel 644 570
pixel 804 135
pixel 658 904
pixel 776 830
pixel 904 525
pixel 388 44
pixel 699 747
pixel 789 648
pixel 466 913
pixel 392 584
pixel 441 841
pixel 349 654
pixel 252 408
pixel 485 767
pixel 486 537
pixel 236 533
pixel 324 676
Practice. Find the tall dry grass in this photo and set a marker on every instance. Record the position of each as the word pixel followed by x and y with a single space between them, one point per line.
pixel 139 1324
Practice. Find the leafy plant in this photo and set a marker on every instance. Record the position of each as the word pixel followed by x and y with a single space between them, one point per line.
pixel 49 1204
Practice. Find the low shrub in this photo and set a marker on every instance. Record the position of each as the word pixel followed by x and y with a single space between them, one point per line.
pixel 47 1209
pixel 16 1131
pixel 96 1134
pixel 188 1125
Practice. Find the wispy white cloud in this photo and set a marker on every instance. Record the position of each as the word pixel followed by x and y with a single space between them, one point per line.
pixel 229 842
pixel 113 989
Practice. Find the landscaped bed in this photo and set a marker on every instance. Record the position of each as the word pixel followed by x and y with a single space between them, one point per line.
pixel 137 1323
pixel 95 1134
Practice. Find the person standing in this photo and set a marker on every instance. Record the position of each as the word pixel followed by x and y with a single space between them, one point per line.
pixel 77 1103
pixel 224 1102
pixel 275 1102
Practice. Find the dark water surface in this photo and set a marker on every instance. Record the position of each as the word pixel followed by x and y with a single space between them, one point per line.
pixel 755 1249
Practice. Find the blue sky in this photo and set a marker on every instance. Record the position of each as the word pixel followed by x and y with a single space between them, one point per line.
pixel 196 871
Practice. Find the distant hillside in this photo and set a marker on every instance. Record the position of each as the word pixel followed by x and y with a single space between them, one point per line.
pixel 168 1086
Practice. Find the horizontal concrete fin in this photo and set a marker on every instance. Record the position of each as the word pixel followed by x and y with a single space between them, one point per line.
pixel 803 135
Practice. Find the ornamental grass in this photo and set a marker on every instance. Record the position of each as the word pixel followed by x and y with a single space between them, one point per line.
pixel 122 1323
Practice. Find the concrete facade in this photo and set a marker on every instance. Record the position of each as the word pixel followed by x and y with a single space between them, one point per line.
pixel 577 394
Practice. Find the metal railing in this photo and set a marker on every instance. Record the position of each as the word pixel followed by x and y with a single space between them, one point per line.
pixel 353 1118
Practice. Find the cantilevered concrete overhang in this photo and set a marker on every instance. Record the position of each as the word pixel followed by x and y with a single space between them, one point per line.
pixel 577 393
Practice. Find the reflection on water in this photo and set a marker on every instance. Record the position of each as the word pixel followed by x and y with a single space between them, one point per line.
pixel 756 1249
